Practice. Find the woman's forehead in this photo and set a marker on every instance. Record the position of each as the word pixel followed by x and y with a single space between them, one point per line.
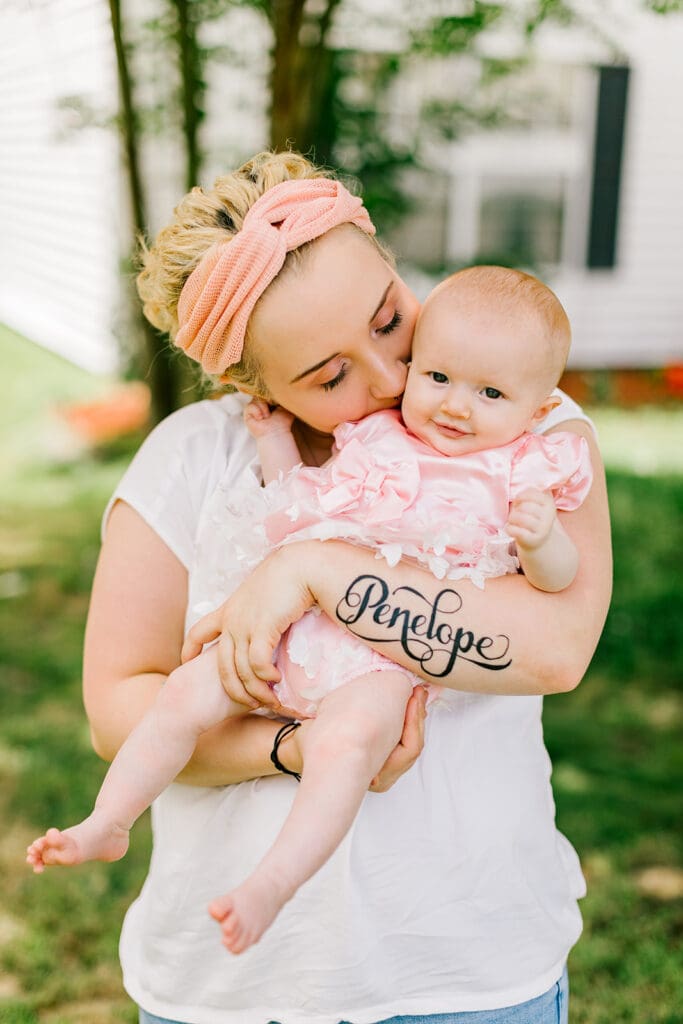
pixel 339 286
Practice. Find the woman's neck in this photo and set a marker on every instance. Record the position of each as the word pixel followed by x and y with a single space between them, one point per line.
pixel 314 447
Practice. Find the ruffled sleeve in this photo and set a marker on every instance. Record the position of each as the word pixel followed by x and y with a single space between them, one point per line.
pixel 559 463
pixel 367 484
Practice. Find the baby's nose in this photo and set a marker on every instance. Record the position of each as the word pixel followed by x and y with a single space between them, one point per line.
pixel 457 406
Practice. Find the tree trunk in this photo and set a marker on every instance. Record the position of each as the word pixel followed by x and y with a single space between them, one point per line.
pixel 300 77
pixel 160 369
pixel 192 88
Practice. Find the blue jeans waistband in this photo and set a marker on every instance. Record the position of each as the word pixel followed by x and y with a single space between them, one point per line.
pixel 552 1007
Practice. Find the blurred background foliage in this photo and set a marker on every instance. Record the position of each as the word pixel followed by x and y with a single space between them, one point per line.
pixel 324 99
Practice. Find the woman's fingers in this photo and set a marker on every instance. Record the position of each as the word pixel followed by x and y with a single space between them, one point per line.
pixel 232 684
pixel 413 736
pixel 256 687
pixel 409 748
pixel 261 653
pixel 203 632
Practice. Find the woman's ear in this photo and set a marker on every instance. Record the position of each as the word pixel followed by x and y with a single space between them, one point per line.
pixel 546 406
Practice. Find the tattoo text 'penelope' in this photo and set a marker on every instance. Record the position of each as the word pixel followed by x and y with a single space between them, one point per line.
pixel 430 637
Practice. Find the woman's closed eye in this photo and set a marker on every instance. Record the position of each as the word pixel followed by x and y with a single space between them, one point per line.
pixel 392 324
pixel 328 385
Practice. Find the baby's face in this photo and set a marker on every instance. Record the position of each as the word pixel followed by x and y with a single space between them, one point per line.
pixel 477 380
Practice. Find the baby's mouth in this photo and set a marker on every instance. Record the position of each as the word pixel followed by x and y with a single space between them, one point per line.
pixel 450 431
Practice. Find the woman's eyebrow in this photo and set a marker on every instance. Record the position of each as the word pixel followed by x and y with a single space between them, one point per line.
pixel 312 369
pixel 334 355
pixel 381 301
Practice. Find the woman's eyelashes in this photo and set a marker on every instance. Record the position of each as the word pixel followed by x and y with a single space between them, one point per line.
pixel 328 385
pixel 392 324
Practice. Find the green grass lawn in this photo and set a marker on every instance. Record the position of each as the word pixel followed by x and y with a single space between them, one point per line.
pixel 615 742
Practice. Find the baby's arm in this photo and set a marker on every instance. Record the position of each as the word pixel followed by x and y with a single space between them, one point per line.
pixel 272 430
pixel 546 553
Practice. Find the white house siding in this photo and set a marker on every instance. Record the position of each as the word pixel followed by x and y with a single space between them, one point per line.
pixel 62 198
pixel 59 186
pixel 632 315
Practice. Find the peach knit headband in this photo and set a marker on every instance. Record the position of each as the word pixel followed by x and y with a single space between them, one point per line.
pixel 219 295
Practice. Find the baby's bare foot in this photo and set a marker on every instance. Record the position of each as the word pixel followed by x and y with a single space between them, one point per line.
pixel 245 913
pixel 87 841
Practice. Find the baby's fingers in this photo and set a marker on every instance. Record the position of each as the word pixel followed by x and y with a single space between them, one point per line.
pixel 257 409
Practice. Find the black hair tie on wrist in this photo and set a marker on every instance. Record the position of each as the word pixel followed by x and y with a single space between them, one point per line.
pixel 287 729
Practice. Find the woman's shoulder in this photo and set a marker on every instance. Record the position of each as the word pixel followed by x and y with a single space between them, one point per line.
pixel 180 463
pixel 198 439
pixel 208 419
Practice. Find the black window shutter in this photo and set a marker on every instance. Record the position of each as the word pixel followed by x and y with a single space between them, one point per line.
pixel 609 140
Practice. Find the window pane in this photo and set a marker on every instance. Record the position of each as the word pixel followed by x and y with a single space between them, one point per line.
pixel 521 221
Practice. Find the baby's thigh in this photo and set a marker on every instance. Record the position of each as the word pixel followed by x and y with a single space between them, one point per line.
pixel 369 710
pixel 194 692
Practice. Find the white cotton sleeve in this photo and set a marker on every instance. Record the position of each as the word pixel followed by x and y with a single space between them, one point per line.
pixel 170 475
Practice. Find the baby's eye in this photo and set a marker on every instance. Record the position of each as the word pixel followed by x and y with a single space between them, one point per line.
pixel 438 377
pixel 392 324
pixel 492 393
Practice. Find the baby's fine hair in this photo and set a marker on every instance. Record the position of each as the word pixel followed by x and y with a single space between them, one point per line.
pixel 513 292
pixel 204 218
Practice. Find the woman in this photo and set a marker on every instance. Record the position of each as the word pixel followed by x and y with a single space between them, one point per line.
pixel 453 893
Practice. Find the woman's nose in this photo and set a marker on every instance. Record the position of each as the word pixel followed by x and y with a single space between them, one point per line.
pixel 389 379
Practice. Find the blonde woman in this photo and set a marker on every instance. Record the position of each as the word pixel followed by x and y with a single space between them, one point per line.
pixel 453 893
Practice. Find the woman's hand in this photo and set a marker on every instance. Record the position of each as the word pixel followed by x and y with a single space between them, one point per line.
pixel 409 747
pixel 292 752
pixel 250 623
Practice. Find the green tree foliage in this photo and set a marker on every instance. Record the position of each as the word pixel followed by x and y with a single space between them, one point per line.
pixel 332 68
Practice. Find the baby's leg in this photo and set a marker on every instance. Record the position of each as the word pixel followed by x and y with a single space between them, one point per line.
pixel 191 700
pixel 357 727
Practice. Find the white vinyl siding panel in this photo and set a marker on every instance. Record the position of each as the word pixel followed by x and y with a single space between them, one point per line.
pixel 59 184
pixel 633 315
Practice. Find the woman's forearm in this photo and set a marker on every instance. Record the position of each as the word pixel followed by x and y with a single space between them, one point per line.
pixel 508 638
pixel 233 751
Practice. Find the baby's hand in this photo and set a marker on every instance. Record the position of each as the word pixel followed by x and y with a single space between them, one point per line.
pixel 532 517
pixel 262 421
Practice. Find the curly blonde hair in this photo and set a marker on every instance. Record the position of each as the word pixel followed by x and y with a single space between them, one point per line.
pixel 203 218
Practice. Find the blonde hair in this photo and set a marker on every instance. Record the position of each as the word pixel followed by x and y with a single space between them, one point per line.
pixel 203 218
pixel 511 292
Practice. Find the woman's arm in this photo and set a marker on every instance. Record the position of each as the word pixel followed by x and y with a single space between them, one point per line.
pixel 507 639
pixel 132 642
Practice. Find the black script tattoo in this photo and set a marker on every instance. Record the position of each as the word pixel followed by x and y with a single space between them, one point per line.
pixel 429 637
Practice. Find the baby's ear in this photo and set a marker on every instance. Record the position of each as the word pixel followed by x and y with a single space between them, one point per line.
pixel 546 406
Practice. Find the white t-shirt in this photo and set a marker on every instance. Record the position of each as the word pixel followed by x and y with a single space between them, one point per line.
pixel 454 891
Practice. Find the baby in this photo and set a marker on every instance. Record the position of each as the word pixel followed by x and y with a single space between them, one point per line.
pixel 450 485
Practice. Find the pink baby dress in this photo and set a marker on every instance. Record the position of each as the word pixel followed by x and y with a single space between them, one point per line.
pixel 384 488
